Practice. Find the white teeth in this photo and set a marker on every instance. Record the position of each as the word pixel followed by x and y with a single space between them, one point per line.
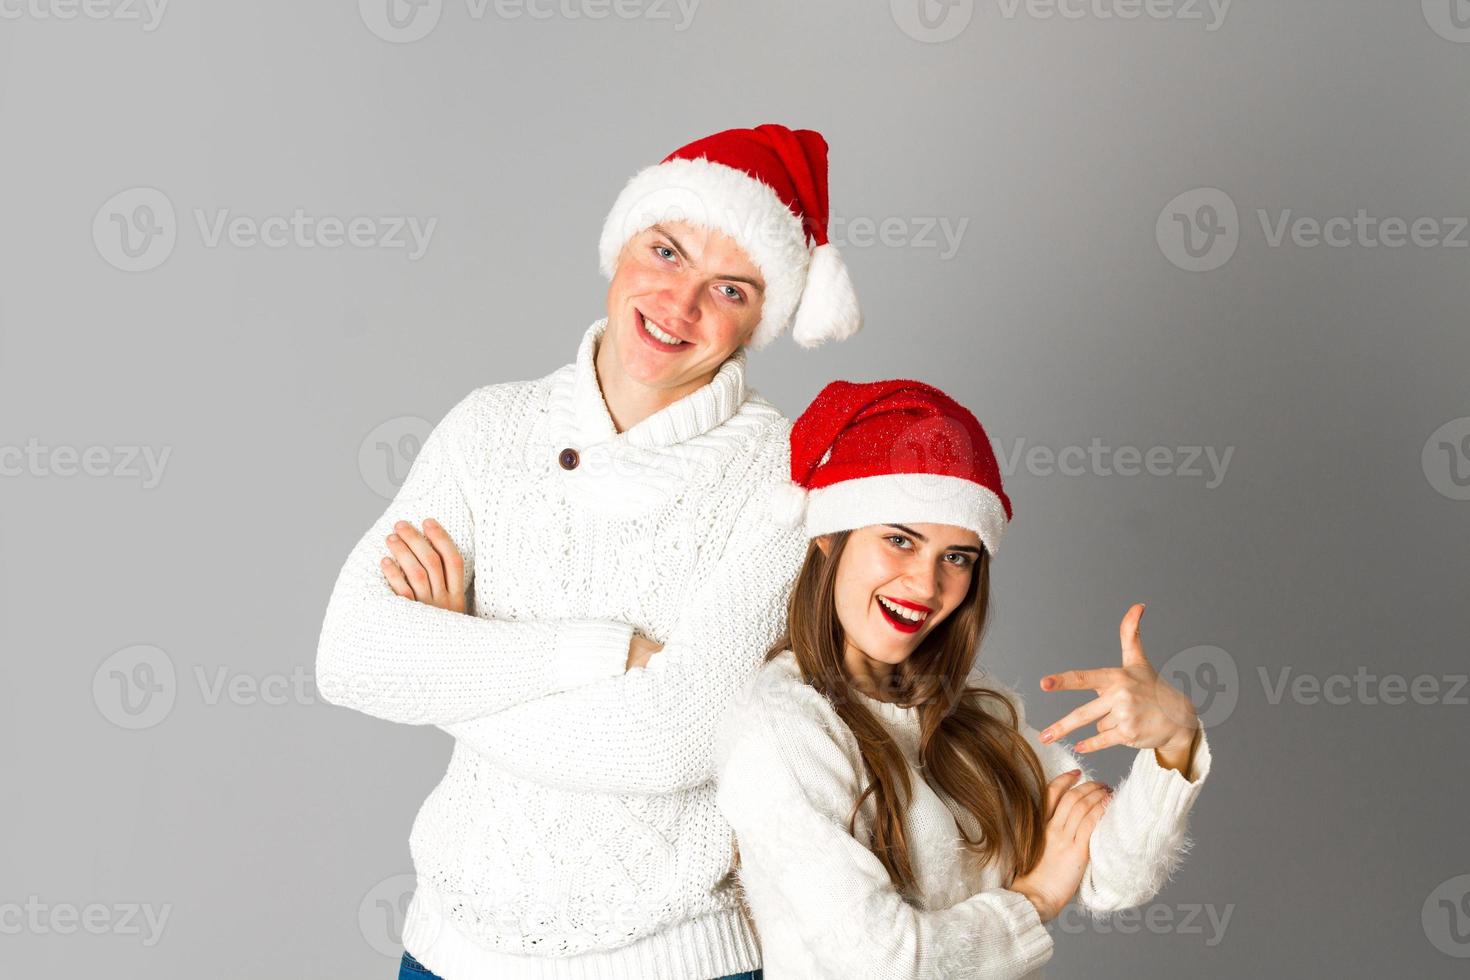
pixel 658 334
pixel 912 615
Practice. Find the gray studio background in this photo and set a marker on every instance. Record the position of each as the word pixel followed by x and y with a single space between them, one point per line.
pixel 1082 220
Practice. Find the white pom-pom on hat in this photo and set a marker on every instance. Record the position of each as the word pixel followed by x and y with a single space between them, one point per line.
pixel 788 504
pixel 829 306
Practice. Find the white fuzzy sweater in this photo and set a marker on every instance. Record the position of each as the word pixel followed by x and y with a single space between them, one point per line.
pixel 575 833
pixel 825 906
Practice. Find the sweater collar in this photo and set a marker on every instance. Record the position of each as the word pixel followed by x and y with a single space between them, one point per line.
pixel 706 408
pixel 896 715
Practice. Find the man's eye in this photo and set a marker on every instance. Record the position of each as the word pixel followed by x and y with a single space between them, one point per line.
pixel 661 249
pixel 733 294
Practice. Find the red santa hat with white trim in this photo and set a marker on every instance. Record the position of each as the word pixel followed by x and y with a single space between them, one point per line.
pixel 891 452
pixel 766 188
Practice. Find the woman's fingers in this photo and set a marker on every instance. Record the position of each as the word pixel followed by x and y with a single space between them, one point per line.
pixel 1057 788
pixel 1087 796
pixel 1075 719
pixel 1068 809
pixel 1103 740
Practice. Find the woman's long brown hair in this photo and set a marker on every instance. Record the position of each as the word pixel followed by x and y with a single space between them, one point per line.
pixel 980 760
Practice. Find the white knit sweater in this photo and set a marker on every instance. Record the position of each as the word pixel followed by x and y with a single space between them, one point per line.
pixel 575 833
pixel 825 906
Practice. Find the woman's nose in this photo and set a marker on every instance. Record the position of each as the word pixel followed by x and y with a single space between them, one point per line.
pixel 922 580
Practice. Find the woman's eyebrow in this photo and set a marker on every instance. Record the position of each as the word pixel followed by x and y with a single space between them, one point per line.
pixel 957 547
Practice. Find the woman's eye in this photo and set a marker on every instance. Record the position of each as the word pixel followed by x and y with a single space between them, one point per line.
pixel 964 559
pixel 733 294
pixel 898 539
pixel 661 249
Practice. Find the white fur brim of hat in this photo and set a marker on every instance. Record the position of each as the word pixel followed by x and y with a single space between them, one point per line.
pixel 809 286
pixel 893 498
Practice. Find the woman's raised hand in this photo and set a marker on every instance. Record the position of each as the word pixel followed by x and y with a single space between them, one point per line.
pixel 1134 705
pixel 426 566
pixel 1072 815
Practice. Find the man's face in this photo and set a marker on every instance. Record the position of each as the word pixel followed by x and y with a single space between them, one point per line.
pixel 682 300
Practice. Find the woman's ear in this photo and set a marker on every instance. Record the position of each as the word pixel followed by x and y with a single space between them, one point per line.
pixel 824 541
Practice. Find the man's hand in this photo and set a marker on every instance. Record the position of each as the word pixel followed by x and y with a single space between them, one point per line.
pixel 1134 707
pixel 426 566
pixel 641 650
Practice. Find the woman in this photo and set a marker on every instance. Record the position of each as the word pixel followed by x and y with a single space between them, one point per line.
pixel 894 821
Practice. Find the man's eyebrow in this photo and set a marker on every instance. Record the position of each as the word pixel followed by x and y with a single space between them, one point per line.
pixel 958 547
pixel 680 249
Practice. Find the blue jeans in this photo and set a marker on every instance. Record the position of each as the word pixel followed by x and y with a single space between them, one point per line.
pixel 411 969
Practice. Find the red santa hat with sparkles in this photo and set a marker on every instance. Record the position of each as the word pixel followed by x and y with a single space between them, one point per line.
pixel 891 452
pixel 766 188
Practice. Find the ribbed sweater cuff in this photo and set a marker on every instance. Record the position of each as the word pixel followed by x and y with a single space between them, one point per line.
pixel 714 945
pixel 588 650
pixel 1168 793
pixel 1034 944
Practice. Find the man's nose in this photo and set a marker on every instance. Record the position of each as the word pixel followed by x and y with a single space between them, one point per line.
pixel 683 297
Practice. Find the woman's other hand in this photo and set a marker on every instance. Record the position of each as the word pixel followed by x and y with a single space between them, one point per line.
pixel 1072 815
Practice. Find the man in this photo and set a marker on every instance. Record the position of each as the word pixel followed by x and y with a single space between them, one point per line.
pixel 596 574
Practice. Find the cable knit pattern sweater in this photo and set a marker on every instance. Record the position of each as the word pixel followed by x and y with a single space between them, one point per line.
pixel 575 833
pixel 825 906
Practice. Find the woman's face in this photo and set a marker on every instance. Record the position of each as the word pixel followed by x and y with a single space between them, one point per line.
pixel 897 582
